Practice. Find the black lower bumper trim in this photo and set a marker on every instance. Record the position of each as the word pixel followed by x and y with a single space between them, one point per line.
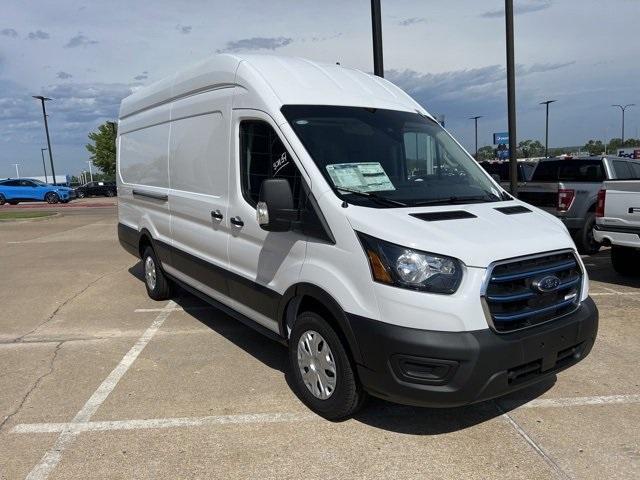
pixel 448 369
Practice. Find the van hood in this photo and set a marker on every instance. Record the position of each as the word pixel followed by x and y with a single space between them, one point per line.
pixel 482 236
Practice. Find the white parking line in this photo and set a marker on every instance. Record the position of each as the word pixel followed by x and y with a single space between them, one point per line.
pixel 164 423
pixel 52 457
pixel 181 422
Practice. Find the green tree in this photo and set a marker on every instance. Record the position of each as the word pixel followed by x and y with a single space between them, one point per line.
pixel 486 153
pixel 616 143
pixel 594 147
pixel 530 148
pixel 103 148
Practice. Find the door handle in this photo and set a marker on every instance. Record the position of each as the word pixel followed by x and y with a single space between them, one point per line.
pixel 237 221
pixel 217 215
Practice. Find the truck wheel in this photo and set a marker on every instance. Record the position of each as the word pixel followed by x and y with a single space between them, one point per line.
pixel 52 197
pixel 323 375
pixel 585 241
pixel 157 284
pixel 625 260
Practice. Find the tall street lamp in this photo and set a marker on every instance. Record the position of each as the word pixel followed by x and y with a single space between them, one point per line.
pixel 46 180
pixel 623 108
pixel 546 135
pixel 511 97
pixel 475 119
pixel 17 169
pixel 376 28
pixel 90 171
pixel 46 128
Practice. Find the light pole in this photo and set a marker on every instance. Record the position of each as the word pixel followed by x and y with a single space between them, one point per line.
pixel 17 170
pixel 511 97
pixel 46 128
pixel 475 119
pixel 376 28
pixel 46 180
pixel 90 171
pixel 546 129
pixel 623 108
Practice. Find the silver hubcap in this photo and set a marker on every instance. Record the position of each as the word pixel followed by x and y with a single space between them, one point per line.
pixel 317 365
pixel 150 273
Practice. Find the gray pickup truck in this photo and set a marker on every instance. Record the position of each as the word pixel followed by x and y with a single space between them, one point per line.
pixel 568 188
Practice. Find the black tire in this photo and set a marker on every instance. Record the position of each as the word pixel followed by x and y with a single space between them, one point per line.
pixel 162 288
pixel 585 240
pixel 348 395
pixel 111 193
pixel 81 194
pixel 2 199
pixel 625 260
pixel 52 197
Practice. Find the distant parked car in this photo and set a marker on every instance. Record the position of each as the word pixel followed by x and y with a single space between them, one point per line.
pixel 97 189
pixel 15 190
pixel 568 188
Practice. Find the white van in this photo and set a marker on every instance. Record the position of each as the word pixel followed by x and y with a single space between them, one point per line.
pixel 327 209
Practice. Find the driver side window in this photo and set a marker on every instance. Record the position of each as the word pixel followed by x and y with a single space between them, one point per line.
pixel 263 156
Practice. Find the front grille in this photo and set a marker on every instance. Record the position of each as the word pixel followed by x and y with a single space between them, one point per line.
pixel 516 296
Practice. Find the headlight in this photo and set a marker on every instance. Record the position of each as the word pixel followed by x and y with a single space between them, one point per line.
pixel 407 268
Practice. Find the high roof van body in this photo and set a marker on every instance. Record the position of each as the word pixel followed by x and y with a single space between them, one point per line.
pixel 326 208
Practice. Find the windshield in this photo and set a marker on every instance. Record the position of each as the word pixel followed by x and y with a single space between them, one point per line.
pixel 386 158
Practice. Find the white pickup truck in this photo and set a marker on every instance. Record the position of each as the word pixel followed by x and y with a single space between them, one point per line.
pixel 618 223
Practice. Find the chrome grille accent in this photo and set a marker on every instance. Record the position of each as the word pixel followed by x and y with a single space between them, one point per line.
pixel 511 299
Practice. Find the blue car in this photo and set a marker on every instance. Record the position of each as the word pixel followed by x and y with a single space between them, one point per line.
pixel 15 190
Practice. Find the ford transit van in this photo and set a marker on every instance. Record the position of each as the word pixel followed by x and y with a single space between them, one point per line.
pixel 327 209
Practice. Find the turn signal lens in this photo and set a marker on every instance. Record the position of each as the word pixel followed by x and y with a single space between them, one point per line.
pixel 378 269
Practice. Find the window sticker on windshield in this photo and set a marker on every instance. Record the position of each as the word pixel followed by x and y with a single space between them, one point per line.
pixel 364 177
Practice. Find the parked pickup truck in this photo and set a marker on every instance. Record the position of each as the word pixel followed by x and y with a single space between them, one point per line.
pixel 568 188
pixel 618 224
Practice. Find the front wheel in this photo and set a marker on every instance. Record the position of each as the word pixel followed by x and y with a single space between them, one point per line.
pixel 52 197
pixel 2 199
pixel 625 260
pixel 585 241
pixel 323 375
pixel 81 194
pixel 157 284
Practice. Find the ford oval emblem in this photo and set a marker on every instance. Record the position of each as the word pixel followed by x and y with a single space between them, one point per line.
pixel 548 283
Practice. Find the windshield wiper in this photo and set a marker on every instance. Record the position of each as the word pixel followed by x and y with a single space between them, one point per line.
pixel 373 196
pixel 455 200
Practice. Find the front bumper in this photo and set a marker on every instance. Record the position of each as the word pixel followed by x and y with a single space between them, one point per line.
pixel 448 369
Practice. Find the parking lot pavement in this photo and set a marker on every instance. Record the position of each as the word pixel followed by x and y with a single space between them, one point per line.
pixel 99 381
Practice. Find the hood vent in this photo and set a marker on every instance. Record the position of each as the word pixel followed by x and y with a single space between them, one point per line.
pixel 437 216
pixel 513 210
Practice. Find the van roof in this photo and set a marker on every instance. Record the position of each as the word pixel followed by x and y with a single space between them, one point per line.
pixel 291 80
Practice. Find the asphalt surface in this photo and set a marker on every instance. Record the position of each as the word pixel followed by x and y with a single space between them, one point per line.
pixel 99 381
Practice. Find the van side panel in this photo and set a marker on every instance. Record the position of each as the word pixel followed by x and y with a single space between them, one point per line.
pixel 198 172
pixel 143 176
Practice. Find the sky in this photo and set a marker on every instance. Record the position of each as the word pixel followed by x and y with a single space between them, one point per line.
pixel 449 55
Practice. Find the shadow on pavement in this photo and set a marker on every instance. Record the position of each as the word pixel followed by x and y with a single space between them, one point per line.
pixel 600 270
pixel 376 412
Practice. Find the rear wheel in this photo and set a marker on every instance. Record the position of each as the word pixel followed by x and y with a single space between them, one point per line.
pixel 111 193
pixel 625 260
pixel 585 241
pixel 52 197
pixel 323 375
pixel 157 284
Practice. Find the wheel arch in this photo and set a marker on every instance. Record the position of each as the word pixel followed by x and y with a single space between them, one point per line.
pixel 305 296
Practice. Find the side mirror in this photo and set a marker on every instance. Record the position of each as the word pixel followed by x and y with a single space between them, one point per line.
pixel 274 211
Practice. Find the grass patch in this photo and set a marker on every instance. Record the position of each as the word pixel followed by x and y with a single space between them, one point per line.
pixel 23 215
